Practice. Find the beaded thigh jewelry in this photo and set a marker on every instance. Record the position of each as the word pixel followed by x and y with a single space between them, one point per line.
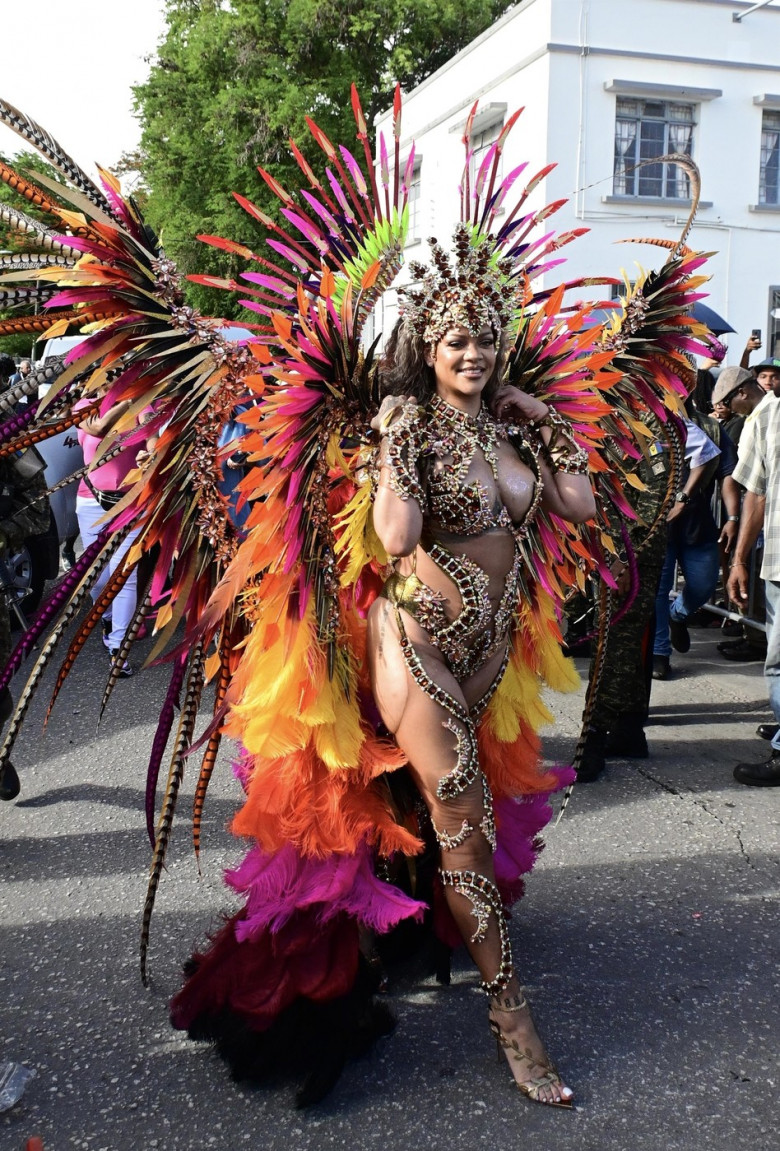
pixel 478 889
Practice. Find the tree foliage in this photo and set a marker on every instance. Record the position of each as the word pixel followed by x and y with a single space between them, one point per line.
pixel 233 81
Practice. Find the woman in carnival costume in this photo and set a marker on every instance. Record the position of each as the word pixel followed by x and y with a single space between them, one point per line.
pixel 456 491
pixel 410 537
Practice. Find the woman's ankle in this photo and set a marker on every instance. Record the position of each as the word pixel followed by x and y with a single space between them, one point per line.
pixel 512 998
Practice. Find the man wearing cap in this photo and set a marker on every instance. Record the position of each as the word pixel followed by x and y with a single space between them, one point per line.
pixel 729 383
pixel 747 398
pixel 768 375
pixel 759 474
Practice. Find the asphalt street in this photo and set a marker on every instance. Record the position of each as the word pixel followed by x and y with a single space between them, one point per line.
pixel 648 943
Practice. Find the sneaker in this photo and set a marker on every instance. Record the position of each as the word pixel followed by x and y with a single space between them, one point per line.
pixel 678 634
pixel 743 652
pixel 106 623
pixel 126 669
pixel 661 667
pixel 760 774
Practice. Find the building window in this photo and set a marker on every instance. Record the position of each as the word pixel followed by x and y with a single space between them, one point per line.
pixel 773 343
pixel 648 128
pixel 770 159
pixel 415 204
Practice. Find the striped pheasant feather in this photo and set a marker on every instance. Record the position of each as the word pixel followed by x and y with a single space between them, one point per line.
pixel 189 711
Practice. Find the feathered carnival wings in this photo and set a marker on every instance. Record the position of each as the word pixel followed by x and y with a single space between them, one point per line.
pixel 274 612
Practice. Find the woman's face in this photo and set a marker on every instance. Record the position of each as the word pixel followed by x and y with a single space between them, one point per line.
pixel 462 365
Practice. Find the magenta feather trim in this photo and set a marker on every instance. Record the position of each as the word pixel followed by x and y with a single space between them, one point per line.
pixel 277 886
pixel 338 193
pixel 518 824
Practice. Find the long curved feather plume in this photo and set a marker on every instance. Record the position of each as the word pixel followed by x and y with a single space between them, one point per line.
pixel 32 132
pixel 164 725
pixel 114 585
pixel 51 608
pixel 187 718
pixel 212 747
pixel 65 616
pixel 131 635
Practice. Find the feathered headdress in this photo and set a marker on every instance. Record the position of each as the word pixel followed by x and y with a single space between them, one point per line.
pixel 474 290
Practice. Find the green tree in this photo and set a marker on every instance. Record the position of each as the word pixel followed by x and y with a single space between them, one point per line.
pixel 233 81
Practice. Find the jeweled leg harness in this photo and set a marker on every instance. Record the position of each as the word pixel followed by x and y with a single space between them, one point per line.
pixel 481 892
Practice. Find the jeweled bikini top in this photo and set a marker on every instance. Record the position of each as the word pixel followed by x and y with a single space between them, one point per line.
pixel 466 509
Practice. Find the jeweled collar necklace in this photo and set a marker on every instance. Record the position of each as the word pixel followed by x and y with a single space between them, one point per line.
pixel 455 433
pixel 447 418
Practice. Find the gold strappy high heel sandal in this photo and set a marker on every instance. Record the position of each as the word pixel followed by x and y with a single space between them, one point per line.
pixel 531 1088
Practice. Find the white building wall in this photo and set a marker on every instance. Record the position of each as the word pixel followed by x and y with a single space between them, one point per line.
pixel 556 57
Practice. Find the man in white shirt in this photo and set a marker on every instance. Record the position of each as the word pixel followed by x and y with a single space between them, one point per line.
pixel 759 474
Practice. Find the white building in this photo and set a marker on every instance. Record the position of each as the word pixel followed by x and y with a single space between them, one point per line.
pixel 604 82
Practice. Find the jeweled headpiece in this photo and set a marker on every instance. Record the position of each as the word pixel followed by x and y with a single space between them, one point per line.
pixel 474 290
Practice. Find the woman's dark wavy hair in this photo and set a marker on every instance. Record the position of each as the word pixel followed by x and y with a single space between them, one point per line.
pixel 404 372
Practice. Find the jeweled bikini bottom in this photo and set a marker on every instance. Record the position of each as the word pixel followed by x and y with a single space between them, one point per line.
pixel 477 633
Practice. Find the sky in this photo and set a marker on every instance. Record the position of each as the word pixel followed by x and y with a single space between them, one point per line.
pixel 69 64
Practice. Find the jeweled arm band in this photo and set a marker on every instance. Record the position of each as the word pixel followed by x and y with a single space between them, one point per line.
pixel 399 451
pixel 562 453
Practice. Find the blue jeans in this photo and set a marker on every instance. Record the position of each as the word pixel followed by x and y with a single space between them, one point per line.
pixel 772 662
pixel 699 564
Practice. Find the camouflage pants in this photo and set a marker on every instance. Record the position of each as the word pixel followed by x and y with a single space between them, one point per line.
pixel 626 676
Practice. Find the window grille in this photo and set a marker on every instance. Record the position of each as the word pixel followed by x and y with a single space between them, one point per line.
pixel 768 184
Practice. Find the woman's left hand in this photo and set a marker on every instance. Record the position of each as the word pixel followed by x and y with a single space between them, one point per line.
pixel 511 404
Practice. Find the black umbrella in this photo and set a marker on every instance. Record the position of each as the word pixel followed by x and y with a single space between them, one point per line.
pixel 717 325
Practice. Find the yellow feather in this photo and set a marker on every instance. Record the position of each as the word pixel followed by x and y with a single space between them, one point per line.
pixel 273 736
pixel 338 744
pixel 335 456
pixel 358 540
pixel 519 695
pixel 280 711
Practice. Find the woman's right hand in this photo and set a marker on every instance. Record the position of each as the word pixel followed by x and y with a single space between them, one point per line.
pixel 389 411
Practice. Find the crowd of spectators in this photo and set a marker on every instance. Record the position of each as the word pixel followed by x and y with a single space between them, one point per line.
pixel 725 521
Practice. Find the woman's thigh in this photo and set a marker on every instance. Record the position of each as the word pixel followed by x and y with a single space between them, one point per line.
pixel 425 708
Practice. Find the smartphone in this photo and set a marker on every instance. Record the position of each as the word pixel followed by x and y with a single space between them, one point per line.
pixel 756 334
